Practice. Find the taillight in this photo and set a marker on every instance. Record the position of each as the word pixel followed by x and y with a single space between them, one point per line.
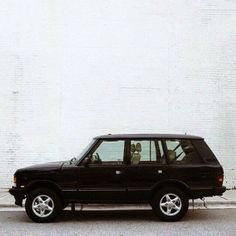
pixel 14 180
pixel 220 180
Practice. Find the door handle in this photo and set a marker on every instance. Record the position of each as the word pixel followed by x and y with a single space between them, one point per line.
pixel 118 172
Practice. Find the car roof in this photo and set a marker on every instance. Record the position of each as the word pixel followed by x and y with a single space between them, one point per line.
pixel 147 136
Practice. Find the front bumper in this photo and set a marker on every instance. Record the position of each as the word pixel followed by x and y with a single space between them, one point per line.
pixel 19 195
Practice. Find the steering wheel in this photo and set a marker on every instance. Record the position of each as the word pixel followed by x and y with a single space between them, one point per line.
pixel 97 159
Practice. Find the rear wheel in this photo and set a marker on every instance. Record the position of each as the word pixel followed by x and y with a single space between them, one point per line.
pixel 170 204
pixel 43 205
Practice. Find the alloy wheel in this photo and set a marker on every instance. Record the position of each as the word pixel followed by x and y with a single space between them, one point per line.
pixel 43 206
pixel 170 204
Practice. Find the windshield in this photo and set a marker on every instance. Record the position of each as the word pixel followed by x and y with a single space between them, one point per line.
pixel 85 150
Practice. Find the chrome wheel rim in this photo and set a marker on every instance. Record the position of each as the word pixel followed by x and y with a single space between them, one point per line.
pixel 42 206
pixel 170 204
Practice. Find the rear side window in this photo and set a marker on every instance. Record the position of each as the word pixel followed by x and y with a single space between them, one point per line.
pixel 204 150
pixel 182 152
pixel 146 152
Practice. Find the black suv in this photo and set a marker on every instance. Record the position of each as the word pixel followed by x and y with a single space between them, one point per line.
pixel 164 170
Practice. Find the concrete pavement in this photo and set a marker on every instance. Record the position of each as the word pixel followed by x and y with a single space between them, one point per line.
pixel 212 222
pixel 228 200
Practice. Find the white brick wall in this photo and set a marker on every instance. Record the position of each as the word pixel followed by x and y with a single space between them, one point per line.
pixel 70 70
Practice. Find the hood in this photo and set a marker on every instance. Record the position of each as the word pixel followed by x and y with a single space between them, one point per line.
pixel 50 166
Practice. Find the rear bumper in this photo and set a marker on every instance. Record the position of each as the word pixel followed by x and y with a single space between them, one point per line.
pixel 19 195
pixel 207 192
pixel 220 190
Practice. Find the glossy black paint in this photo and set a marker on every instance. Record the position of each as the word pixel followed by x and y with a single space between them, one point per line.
pixel 76 182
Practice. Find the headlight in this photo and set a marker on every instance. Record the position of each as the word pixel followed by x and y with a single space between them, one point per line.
pixel 14 181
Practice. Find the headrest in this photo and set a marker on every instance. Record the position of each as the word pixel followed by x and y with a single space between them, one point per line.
pixel 187 146
pixel 132 148
pixel 172 155
pixel 138 147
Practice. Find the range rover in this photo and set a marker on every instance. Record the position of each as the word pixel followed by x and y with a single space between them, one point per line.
pixel 164 170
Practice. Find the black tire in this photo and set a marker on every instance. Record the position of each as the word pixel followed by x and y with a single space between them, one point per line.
pixel 51 205
pixel 170 204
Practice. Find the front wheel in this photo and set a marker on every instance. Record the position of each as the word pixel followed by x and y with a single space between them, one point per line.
pixel 170 204
pixel 43 205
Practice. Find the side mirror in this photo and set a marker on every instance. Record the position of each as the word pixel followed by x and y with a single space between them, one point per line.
pixel 86 161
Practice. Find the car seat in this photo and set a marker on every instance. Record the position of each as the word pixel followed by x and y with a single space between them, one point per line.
pixel 135 158
pixel 171 155
pixel 132 149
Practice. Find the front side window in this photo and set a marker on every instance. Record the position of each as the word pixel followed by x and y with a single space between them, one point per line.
pixel 108 152
pixel 182 152
pixel 146 152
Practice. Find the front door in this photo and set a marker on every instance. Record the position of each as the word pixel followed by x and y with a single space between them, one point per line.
pixel 102 179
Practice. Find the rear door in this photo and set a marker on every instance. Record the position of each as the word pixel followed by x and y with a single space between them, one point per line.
pixel 147 166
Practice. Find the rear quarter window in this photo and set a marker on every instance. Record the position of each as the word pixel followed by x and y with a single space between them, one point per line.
pixel 205 151
pixel 182 152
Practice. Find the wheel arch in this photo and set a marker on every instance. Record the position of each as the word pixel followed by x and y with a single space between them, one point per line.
pixel 44 184
pixel 171 183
